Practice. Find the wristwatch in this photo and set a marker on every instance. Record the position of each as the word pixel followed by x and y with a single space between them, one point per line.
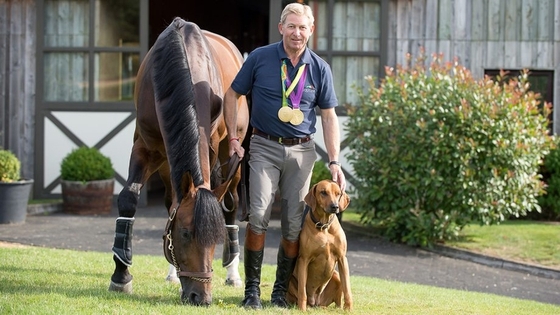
pixel 334 163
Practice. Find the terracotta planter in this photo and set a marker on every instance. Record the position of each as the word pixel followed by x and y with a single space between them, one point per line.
pixel 14 198
pixel 87 198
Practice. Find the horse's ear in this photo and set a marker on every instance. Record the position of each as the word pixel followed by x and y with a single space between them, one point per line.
pixel 310 197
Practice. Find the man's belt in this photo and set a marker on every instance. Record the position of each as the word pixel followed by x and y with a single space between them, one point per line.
pixel 281 140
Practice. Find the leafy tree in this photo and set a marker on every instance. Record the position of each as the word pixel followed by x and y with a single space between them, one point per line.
pixel 435 150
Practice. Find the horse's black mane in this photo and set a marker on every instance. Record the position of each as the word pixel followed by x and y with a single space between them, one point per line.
pixel 173 84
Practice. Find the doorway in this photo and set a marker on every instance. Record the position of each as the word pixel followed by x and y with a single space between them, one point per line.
pixel 244 22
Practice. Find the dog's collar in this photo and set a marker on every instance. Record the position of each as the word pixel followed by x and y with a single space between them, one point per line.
pixel 318 224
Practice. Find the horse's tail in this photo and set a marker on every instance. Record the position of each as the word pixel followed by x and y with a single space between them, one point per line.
pixel 174 93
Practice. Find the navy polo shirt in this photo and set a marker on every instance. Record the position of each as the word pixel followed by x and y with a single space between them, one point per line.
pixel 261 75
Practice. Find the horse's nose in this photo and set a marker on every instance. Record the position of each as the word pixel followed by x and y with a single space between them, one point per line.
pixel 196 299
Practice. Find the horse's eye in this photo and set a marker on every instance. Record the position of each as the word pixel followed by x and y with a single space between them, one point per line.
pixel 186 234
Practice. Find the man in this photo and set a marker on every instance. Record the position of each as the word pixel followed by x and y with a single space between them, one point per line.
pixel 287 81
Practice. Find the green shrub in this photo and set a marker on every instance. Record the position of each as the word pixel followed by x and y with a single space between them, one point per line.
pixel 86 164
pixel 320 172
pixel 435 150
pixel 550 171
pixel 9 167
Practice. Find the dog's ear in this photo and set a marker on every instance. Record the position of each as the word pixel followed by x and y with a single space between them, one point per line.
pixel 310 197
pixel 344 201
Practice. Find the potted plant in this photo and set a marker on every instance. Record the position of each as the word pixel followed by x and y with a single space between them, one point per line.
pixel 14 191
pixel 87 179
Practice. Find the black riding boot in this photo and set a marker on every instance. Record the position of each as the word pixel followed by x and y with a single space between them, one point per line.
pixel 284 272
pixel 253 262
pixel 254 251
pixel 122 247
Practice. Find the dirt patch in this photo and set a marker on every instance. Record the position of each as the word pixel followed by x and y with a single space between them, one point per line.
pixel 12 245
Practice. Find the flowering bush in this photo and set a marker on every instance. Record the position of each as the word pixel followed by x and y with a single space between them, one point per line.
pixel 435 150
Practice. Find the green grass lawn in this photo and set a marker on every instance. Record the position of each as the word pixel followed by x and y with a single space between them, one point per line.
pixel 37 280
pixel 531 242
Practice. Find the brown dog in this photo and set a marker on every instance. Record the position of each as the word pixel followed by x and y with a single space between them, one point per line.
pixel 322 248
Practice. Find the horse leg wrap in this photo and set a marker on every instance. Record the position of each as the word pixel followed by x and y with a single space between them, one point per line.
pixel 122 247
pixel 231 245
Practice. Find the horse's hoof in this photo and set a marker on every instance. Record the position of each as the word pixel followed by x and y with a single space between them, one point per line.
pixel 236 283
pixel 118 287
pixel 172 279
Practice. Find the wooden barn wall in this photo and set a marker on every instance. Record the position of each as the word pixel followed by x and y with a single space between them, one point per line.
pixel 17 80
pixel 483 34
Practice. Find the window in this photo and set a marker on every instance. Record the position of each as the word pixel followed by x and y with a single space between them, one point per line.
pixel 348 36
pixel 91 50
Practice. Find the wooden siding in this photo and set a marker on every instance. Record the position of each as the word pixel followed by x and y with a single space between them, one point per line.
pixel 482 34
pixel 17 80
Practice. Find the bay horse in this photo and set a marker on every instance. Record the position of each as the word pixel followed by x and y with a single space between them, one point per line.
pixel 181 134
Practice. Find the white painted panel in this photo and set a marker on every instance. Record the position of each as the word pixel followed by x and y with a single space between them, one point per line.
pixel 57 146
pixel 118 150
pixel 90 127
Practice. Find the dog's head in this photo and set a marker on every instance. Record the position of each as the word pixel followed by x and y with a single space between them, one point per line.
pixel 328 196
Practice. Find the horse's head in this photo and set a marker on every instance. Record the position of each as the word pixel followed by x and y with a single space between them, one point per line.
pixel 193 230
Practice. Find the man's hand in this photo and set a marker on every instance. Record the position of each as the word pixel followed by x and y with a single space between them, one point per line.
pixel 235 147
pixel 338 175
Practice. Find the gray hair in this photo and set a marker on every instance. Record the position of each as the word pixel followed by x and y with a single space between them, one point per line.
pixel 298 9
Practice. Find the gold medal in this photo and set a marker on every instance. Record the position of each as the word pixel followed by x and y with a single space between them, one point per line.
pixel 285 113
pixel 297 117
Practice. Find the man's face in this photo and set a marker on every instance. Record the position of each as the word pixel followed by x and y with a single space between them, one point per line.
pixel 295 31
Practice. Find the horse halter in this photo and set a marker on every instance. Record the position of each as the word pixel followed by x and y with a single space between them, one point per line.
pixel 169 249
pixel 169 252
